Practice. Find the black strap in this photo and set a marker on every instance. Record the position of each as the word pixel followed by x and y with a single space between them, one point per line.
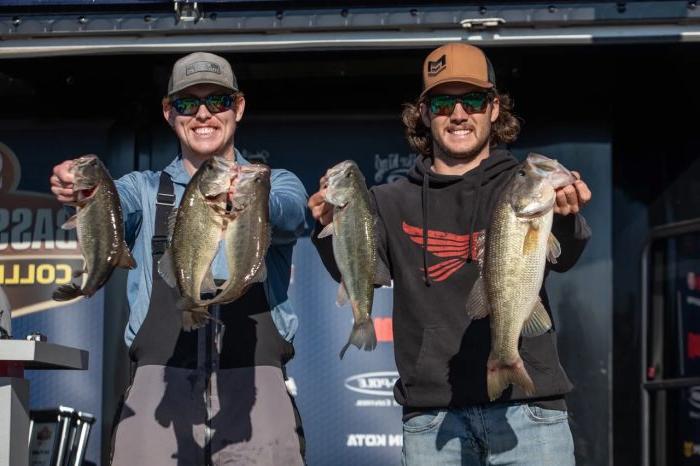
pixel 165 201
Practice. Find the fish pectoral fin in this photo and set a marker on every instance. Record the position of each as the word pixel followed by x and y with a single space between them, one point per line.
pixel 327 231
pixel 342 298
pixel 538 323
pixel 581 228
pixel 553 249
pixel 477 304
pixel 126 260
pixel 530 242
pixel 166 268
pixel 71 223
pixel 382 276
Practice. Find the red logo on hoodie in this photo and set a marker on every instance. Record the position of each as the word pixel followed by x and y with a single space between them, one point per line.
pixel 455 249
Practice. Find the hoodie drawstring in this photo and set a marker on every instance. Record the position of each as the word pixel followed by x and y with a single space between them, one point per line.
pixel 475 211
pixel 424 199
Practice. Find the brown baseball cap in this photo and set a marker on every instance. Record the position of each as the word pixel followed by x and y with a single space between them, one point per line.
pixel 457 63
pixel 200 68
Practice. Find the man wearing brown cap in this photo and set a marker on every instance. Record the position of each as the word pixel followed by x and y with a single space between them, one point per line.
pixel 215 395
pixel 427 225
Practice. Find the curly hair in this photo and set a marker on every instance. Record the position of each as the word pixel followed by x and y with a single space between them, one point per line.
pixel 504 130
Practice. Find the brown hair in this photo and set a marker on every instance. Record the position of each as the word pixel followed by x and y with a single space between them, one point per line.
pixel 503 131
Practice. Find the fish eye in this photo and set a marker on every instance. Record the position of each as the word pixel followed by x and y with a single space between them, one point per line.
pixel 349 175
pixel 521 172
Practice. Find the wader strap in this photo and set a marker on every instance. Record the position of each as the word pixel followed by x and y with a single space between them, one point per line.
pixel 165 201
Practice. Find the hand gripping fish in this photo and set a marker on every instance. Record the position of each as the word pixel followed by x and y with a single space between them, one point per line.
pixel 518 242
pixel 99 227
pixel 354 249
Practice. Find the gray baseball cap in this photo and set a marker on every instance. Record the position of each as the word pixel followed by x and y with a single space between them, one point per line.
pixel 201 68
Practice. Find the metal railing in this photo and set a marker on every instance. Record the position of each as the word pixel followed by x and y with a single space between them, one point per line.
pixel 657 387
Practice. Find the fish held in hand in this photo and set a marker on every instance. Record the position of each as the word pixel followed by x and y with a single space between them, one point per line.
pixel 195 228
pixel 513 254
pixel 354 249
pixel 99 226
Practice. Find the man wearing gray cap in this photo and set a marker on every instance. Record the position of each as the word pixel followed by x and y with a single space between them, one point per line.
pixel 205 396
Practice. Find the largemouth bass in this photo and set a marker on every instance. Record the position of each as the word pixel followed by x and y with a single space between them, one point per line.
pixel 99 227
pixel 354 249
pixel 247 235
pixel 518 242
pixel 195 231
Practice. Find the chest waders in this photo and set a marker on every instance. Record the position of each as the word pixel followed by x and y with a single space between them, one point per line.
pixel 212 396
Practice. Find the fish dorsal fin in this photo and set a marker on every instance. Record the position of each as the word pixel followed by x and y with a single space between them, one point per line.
pixel 126 260
pixel 538 323
pixel 327 231
pixel 477 304
pixel 553 249
pixel 342 298
pixel 382 276
pixel 166 268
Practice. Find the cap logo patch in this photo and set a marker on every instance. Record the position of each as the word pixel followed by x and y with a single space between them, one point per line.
pixel 201 66
pixel 435 67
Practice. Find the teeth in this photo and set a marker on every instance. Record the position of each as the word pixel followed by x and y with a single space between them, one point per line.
pixel 204 130
pixel 461 132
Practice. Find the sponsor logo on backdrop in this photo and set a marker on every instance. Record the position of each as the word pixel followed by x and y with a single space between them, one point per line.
pixel 374 440
pixel 378 385
pixel 384 329
pixel 36 255
pixel 693 345
pixel 392 167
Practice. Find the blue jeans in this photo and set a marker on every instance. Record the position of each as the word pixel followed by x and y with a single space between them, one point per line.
pixel 518 434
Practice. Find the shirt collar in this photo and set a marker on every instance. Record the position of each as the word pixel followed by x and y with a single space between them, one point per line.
pixel 176 168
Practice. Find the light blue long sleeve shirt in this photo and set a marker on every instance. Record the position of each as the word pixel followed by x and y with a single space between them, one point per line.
pixel 137 192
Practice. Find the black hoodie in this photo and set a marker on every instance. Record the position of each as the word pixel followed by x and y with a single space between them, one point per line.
pixel 425 226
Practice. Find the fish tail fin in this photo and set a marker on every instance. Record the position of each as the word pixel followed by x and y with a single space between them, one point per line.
pixel 362 336
pixel 500 375
pixel 67 292
pixel 194 316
